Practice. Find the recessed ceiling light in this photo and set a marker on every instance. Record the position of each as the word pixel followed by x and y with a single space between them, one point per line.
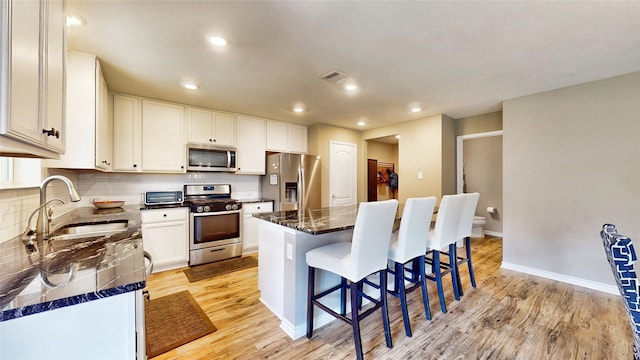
pixel 218 41
pixel 397 136
pixel 361 123
pixel 298 109
pixel 416 109
pixel 351 86
pixel 75 20
pixel 190 86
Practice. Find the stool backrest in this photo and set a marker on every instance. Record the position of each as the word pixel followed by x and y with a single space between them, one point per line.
pixel 468 212
pixel 622 257
pixel 447 221
pixel 414 227
pixel 371 237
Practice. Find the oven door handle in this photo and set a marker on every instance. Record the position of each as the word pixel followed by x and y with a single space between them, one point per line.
pixel 216 213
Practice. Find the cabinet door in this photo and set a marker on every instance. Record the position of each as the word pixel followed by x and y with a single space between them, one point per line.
pixel 163 145
pixel 167 243
pixel 126 133
pixel 23 120
pixel 104 129
pixel 251 225
pixel 200 125
pixel 297 138
pixel 224 133
pixel 54 75
pixel 277 135
pixel 251 146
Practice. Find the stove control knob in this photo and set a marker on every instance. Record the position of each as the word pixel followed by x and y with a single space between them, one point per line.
pixel 228 207
pixel 234 206
pixel 206 208
pixel 199 209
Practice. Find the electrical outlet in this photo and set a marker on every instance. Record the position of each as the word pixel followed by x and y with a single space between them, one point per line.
pixel 289 251
pixel 419 175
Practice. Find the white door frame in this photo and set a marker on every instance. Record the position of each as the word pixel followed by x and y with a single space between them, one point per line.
pixel 459 153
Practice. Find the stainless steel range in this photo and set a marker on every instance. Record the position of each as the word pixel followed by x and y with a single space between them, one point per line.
pixel 214 223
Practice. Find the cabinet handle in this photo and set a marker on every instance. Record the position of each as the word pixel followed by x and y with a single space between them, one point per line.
pixel 210 140
pixel 52 132
pixel 135 165
pixel 165 215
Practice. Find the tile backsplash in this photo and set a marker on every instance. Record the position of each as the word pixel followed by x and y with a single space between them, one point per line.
pixel 17 204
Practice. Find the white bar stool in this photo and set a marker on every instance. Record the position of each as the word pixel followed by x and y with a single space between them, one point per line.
pixel 353 261
pixel 409 244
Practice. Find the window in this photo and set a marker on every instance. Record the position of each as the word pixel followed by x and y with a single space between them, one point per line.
pixel 20 172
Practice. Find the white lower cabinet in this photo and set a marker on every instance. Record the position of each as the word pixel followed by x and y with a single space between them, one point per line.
pixel 251 225
pixel 108 328
pixel 165 235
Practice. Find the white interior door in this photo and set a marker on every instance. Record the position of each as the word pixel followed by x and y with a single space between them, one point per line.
pixel 342 173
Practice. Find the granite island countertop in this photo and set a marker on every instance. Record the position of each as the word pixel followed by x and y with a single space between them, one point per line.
pixel 39 275
pixel 314 221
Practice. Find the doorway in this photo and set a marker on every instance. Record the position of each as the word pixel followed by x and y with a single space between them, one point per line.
pixel 479 169
pixel 382 154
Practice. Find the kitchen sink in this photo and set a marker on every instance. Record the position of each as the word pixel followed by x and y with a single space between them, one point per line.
pixel 85 230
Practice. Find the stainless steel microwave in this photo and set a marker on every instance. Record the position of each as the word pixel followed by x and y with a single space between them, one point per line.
pixel 202 157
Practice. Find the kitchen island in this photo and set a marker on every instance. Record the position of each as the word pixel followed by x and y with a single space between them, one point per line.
pixel 76 296
pixel 284 239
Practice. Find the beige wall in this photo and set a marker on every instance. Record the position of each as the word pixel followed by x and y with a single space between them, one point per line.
pixel 480 123
pixel 570 165
pixel 420 149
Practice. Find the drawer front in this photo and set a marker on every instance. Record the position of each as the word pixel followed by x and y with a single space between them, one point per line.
pixel 162 215
pixel 256 208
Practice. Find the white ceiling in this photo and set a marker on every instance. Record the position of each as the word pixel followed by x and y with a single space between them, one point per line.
pixel 456 58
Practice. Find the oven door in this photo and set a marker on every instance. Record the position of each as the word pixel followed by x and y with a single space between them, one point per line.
pixel 214 229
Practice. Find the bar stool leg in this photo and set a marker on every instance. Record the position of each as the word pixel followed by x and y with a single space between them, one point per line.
pixel 310 292
pixel 436 271
pixel 425 296
pixel 385 308
pixel 400 289
pixel 467 246
pixel 453 265
pixel 355 321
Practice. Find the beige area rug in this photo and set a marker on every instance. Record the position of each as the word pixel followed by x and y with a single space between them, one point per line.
pixel 174 320
pixel 206 271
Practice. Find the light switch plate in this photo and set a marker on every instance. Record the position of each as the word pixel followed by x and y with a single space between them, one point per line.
pixel 289 251
pixel 419 175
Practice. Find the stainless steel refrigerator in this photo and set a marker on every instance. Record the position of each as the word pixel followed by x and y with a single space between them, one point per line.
pixel 292 181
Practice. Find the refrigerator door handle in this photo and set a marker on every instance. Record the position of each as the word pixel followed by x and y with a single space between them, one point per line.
pixel 303 191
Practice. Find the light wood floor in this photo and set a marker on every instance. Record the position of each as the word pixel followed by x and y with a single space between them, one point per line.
pixel 508 316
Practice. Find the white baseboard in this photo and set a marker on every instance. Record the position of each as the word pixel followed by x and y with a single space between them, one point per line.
pixel 493 233
pixel 296 332
pixel 562 278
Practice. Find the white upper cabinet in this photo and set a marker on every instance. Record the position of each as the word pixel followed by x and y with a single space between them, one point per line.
pixel 32 77
pixel 286 137
pixel 89 124
pixel 127 126
pixel 211 127
pixel 163 145
pixel 251 145
pixel 298 138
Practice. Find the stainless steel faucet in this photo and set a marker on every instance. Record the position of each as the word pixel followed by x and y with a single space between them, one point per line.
pixel 42 226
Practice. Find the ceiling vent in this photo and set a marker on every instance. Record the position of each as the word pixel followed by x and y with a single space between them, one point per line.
pixel 337 77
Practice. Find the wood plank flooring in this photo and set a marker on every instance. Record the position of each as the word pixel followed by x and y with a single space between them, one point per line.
pixel 508 316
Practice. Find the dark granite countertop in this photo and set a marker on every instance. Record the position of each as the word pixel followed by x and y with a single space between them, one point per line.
pixel 314 221
pixel 254 200
pixel 39 275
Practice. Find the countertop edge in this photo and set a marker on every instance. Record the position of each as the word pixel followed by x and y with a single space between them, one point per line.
pixel 69 301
